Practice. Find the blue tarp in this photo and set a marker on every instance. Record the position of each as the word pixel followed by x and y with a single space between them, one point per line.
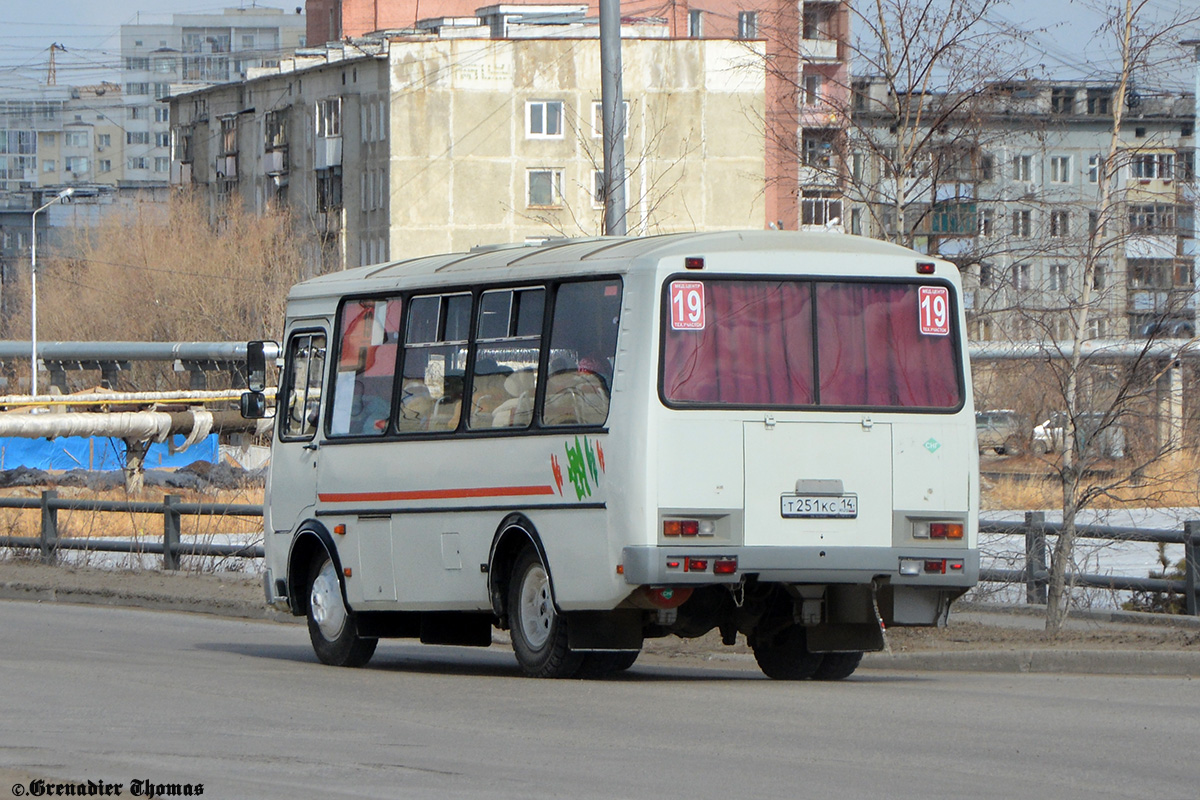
pixel 96 453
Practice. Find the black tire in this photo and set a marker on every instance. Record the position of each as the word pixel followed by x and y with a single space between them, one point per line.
pixel 1012 446
pixel 785 655
pixel 332 627
pixel 602 665
pixel 539 633
pixel 837 666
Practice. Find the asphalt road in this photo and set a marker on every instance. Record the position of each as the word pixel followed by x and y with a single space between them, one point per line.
pixel 242 707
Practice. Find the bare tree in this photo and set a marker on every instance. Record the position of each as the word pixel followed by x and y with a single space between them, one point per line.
pixel 1094 414
pixel 155 274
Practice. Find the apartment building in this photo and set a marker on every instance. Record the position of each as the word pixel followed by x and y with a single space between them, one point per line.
pixel 192 50
pixel 1014 195
pixel 806 45
pixel 419 143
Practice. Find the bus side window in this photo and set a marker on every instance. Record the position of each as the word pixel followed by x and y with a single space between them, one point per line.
pixel 583 350
pixel 306 360
pixel 506 360
pixel 435 355
pixel 369 332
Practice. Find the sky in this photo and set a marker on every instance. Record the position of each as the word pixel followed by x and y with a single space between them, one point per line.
pixel 1064 38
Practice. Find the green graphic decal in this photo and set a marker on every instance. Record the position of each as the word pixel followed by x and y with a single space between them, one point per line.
pixel 933 445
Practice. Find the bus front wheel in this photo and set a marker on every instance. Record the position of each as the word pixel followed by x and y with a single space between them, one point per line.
pixel 785 656
pixel 332 627
pixel 539 634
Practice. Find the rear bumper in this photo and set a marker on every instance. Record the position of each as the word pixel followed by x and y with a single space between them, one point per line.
pixel 650 565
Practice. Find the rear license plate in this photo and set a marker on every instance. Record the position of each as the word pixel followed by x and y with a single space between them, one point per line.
pixel 819 506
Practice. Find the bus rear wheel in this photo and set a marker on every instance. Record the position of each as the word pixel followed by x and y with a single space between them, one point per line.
pixel 332 627
pixel 785 655
pixel 837 666
pixel 539 633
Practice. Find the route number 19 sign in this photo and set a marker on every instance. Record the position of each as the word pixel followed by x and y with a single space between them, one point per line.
pixel 935 310
pixel 687 306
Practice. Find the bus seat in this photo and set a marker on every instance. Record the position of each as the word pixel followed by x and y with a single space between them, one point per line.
pixel 517 411
pixel 486 396
pixel 575 397
pixel 416 406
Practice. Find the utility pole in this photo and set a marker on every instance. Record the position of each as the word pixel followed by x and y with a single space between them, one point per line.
pixel 612 112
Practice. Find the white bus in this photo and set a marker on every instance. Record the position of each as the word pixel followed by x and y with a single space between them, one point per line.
pixel 593 442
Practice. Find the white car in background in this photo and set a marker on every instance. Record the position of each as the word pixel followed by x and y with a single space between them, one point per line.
pixel 1048 437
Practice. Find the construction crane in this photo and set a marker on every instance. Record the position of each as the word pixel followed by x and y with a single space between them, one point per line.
pixel 51 77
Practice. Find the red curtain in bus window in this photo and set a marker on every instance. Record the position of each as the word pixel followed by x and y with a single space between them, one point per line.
pixel 755 347
pixel 871 351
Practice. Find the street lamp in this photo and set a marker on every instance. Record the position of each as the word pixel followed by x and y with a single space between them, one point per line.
pixel 63 195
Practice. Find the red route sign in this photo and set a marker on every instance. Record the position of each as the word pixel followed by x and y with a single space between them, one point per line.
pixel 934 310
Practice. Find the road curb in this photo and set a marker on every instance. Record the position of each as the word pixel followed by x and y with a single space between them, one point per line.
pixel 37 593
pixel 1084 662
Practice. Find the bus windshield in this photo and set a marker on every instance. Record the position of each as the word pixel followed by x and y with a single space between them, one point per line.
pixel 804 343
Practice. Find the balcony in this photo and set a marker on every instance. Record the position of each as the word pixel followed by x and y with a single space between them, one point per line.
pixel 1145 245
pixel 819 49
pixel 327 152
pixel 275 162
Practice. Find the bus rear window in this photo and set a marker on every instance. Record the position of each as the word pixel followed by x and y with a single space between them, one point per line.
pixel 762 343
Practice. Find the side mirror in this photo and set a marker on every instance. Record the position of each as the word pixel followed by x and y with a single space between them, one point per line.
pixel 253 405
pixel 256 368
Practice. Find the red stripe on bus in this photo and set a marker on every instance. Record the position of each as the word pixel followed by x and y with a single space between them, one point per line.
pixel 436 494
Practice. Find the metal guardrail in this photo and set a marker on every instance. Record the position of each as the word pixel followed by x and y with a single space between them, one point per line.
pixel 1036 576
pixel 172 509
pixel 1035 529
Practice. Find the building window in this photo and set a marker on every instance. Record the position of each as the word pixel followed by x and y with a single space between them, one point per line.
pixel 695 24
pixel 856 221
pixel 1100 277
pixel 545 188
pixel 329 189
pixel 137 137
pixel 137 112
pixel 137 62
pixel 1093 172
pixel 137 162
pixel 987 275
pixel 986 222
pixel 1058 277
pixel 1060 169
pixel 1060 223
pixel 1022 223
pixel 1062 101
pixel 747 24
pixel 1151 166
pixel 329 118
pixel 137 88
pixel 49 165
pixel 1152 219
pixel 161 90
pixel 1020 276
pixel 598 188
pixel 75 139
pixel 818 149
pixel 986 167
pixel 543 119
pixel 598 121
pixel 105 165
pixel 161 163
pixel 821 210
pixel 162 140
pixel 1022 168
pixel 162 114
pixel 77 164
pixel 812 90
pixel 1099 102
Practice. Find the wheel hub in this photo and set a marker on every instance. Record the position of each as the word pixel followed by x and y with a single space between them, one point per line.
pixel 325 603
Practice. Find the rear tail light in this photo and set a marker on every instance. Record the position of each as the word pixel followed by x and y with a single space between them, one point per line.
pixel 935 565
pixel 695 564
pixel 724 566
pixel 937 530
pixel 688 527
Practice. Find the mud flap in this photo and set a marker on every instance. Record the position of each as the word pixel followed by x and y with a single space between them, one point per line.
pixel 844 637
pixel 604 630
